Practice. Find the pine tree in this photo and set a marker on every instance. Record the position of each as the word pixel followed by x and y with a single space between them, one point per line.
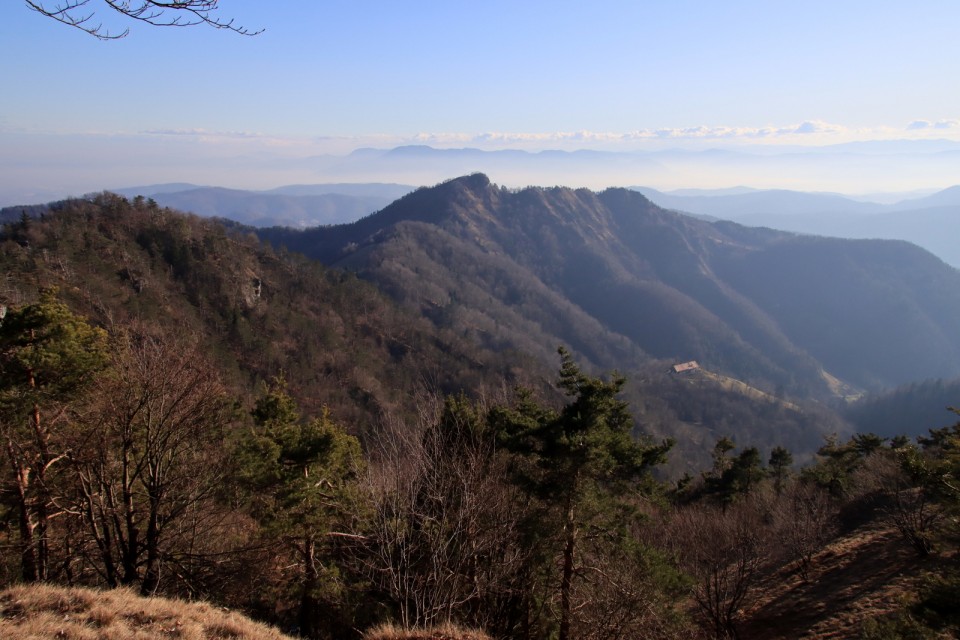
pixel 48 356
pixel 780 462
pixel 578 459
pixel 300 475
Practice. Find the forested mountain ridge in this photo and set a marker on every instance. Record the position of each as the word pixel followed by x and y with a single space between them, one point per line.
pixel 621 280
pixel 257 312
pixel 341 343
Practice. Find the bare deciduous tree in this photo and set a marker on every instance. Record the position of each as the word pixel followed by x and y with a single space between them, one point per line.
pixel 806 519
pixel 724 551
pixel 161 13
pixel 443 543
pixel 48 357
pixel 910 504
pixel 150 462
pixel 623 592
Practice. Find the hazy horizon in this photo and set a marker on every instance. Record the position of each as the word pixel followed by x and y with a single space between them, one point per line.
pixel 854 98
pixel 49 167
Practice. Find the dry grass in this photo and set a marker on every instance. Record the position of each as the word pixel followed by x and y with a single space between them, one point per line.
pixel 42 612
pixel 738 386
pixel 443 632
pixel 856 577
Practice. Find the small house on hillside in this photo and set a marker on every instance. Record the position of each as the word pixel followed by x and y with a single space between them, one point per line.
pixel 686 366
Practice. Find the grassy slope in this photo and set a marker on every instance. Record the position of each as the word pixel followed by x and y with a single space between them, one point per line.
pixel 858 576
pixel 738 386
pixel 43 612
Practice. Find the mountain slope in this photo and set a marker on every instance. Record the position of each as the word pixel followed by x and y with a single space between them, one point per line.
pixel 339 342
pixel 342 344
pixel 931 222
pixel 735 206
pixel 861 575
pixel 873 312
pixel 620 279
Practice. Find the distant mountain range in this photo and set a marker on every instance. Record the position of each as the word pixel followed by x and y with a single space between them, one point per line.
pixel 358 184
pixel 293 206
pixel 622 280
pixel 932 222
pixel 656 160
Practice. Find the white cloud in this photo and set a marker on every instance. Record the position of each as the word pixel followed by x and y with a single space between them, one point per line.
pixel 207 134
pixel 823 132
pixel 806 133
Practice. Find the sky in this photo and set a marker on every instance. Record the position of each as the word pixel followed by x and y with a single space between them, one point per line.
pixel 325 78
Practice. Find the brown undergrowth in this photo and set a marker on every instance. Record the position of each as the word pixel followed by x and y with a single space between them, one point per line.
pixel 443 632
pixel 43 612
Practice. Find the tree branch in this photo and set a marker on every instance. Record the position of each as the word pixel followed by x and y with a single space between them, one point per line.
pixel 158 13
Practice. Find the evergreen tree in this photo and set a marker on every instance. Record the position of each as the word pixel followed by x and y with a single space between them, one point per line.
pixel 300 476
pixel 577 459
pixel 48 356
pixel 732 477
pixel 836 463
pixel 780 462
pixel 721 462
pixel 867 443
pixel 744 474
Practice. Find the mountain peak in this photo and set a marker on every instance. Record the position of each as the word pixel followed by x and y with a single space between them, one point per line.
pixel 474 182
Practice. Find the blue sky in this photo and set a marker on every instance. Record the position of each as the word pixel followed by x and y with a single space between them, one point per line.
pixel 328 77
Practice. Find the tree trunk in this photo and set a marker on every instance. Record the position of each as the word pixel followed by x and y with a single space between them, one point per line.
pixel 151 572
pixel 42 532
pixel 305 617
pixel 131 538
pixel 566 581
pixel 99 526
pixel 41 535
pixel 28 557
